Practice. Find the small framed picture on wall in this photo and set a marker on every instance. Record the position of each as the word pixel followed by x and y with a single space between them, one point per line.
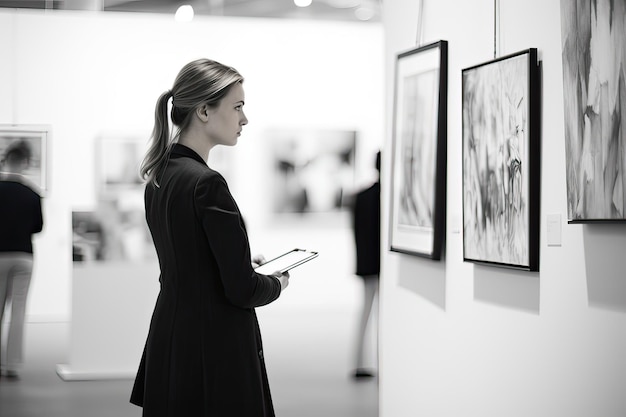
pixel 119 159
pixel 35 138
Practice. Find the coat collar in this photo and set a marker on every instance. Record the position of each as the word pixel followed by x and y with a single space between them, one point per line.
pixel 179 150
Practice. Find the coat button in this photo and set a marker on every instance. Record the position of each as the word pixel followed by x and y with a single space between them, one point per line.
pixel 261 354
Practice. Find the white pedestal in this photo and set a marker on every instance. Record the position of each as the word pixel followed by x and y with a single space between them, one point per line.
pixel 112 304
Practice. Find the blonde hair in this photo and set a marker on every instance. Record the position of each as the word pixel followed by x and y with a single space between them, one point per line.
pixel 199 82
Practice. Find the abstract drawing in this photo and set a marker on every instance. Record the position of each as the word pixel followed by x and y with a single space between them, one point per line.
pixel 313 169
pixel 500 162
pixel 594 92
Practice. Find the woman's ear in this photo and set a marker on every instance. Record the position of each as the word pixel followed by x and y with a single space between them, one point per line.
pixel 203 113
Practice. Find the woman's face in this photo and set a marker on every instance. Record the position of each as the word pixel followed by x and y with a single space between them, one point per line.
pixel 227 119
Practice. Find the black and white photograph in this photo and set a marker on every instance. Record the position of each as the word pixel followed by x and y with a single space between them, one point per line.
pixel 452 172
pixel 500 155
pixel 35 138
pixel 594 96
pixel 418 199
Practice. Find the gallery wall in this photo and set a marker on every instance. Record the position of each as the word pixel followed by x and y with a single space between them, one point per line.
pixel 90 76
pixel 461 339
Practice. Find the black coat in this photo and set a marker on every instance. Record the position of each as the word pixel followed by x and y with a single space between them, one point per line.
pixel 366 228
pixel 20 215
pixel 203 355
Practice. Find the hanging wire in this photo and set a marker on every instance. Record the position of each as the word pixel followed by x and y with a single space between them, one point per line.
pixel 496 28
pixel 13 69
pixel 420 21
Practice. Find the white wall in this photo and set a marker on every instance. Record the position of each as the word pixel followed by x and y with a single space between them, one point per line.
pixel 459 339
pixel 85 74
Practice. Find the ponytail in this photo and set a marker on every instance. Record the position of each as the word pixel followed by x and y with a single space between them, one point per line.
pixel 200 82
pixel 157 154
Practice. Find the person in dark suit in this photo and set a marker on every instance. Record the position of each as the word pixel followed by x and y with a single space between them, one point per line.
pixel 203 354
pixel 366 228
pixel 20 218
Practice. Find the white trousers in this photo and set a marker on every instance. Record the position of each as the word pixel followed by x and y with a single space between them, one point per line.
pixel 15 272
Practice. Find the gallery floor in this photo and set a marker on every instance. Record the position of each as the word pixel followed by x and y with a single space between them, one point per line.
pixel 308 357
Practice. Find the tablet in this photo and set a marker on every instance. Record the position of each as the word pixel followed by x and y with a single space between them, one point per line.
pixel 286 261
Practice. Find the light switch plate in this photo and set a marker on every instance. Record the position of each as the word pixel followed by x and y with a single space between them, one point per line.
pixel 456 224
pixel 554 229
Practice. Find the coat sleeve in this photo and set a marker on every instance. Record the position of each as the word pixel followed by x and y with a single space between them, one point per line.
pixel 223 227
pixel 37 216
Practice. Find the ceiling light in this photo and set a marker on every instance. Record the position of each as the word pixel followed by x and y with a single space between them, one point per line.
pixel 184 13
pixel 344 4
pixel 302 3
pixel 364 13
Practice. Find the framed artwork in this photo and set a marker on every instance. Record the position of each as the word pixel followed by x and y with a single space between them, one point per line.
pixel 312 169
pixel 418 191
pixel 501 162
pixel 119 161
pixel 36 137
pixel 594 94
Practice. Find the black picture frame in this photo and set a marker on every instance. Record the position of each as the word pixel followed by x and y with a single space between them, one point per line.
pixel 419 156
pixel 501 161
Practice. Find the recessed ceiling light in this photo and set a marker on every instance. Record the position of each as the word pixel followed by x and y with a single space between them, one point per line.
pixel 364 13
pixel 344 4
pixel 302 3
pixel 184 13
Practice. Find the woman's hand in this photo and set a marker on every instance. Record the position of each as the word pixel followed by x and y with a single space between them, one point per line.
pixel 283 278
pixel 257 261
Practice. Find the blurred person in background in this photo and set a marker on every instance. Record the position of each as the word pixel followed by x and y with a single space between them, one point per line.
pixel 20 218
pixel 203 355
pixel 366 228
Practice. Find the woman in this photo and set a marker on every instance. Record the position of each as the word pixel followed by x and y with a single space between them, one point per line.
pixel 203 355
pixel 20 218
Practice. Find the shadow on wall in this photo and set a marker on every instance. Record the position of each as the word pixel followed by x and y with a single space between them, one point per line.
pixel 430 283
pixel 605 265
pixel 510 288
